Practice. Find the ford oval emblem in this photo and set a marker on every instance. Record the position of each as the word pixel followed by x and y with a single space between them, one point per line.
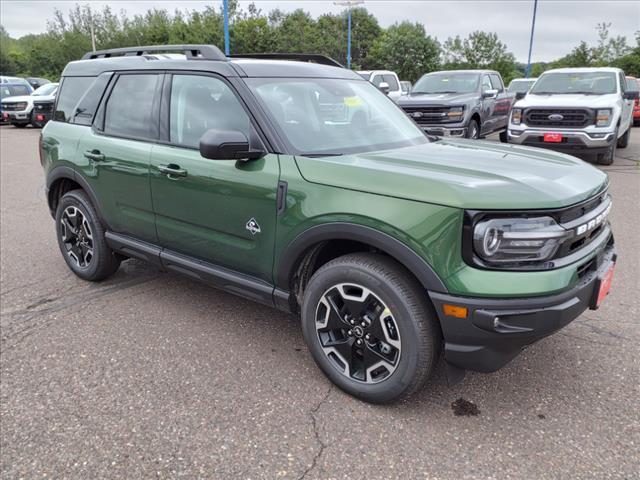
pixel 555 117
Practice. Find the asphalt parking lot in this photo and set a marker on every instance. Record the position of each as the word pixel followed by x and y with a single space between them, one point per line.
pixel 153 375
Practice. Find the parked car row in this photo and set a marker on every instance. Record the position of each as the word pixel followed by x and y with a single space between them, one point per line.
pixel 21 105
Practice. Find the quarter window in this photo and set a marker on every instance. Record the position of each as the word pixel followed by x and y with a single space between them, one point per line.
pixel 69 93
pixel 200 103
pixel 129 111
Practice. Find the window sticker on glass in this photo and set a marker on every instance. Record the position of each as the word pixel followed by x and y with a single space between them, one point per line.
pixel 352 101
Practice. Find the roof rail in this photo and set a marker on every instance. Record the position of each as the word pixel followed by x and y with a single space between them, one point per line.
pixel 193 52
pixel 299 57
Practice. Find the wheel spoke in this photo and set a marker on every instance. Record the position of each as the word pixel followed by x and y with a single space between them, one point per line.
pixel 69 229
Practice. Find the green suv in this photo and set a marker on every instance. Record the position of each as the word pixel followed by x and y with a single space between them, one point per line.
pixel 299 185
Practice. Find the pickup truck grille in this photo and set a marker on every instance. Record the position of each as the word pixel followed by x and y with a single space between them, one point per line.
pixel 43 107
pixel 429 115
pixel 556 117
pixel 12 107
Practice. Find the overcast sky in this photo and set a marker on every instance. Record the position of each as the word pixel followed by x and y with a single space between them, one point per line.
pixel 560 24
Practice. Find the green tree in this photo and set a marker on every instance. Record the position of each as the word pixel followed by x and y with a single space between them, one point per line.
pixel 406 49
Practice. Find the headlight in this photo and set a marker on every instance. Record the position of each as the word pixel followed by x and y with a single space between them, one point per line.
pixel 516 116
pixel 455 112
pixel 603 118
pixel 517 240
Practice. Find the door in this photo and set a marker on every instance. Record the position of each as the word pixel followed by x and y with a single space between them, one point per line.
pixel 114 155
pixel 488 107
pixel 502 104
pixel 627 106
pixel 219 211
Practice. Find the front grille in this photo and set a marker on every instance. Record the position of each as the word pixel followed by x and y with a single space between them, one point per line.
pixel 12 107
pixel 44 107
pixel 559 117
pixel 430 115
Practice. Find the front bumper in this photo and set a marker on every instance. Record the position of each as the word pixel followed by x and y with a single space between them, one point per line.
pixel 496 330
pixel 23 116
pixel 448 131
pixel 572 140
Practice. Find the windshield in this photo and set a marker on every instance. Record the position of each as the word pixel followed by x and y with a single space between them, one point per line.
pixel 447 83
pixel 588 83
pixel 520 86
pixel 47 89
pixel 13 90
pixel 328 116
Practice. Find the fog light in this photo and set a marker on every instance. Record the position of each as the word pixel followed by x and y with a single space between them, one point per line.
pixel 454 311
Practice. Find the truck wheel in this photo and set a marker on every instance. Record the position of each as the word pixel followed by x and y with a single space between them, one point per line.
pixel 473 129
pixel 504 136
pixel 81 238
pixel 609 156
pixel 623 141
pixel 19 125
pixel 370 327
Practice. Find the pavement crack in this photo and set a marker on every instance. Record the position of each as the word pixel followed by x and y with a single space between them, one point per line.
pixel 316 433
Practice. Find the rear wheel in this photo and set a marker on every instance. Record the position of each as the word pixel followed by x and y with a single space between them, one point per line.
pixel 370 327
pixel 473 129
pixel 81 238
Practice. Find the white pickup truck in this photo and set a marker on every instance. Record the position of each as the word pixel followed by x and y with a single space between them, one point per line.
pixel 576 110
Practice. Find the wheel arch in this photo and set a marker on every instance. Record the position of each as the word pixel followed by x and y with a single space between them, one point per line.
pixel 63 179
pixel 299 256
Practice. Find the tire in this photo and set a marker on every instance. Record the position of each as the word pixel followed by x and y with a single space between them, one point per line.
pixel 473 129
pixel 609 156
pixel 504 136
pixel 623 141
pixel 19 125
pixel 83 245
pixel 404 340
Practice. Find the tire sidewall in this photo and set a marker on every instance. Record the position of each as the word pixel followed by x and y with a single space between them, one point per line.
pixel 76 200
pixel 477 128
pixel 401 379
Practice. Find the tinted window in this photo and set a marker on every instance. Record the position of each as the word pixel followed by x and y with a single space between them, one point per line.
pixel 486 83
pixel 200 103
pixel 86 108
pixel 393 83
pixel 70 91
pixel 129 111
pixel 496 82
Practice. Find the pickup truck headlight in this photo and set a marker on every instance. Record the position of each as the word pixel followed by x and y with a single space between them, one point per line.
pixel 455 112
pixel 516 116
pixel 499 241
pixel 603 117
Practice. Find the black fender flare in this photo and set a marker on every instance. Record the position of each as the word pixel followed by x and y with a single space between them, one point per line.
pixel 293 252
pixel 62 172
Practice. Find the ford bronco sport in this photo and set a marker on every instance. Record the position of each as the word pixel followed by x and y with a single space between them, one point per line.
pixel 302 186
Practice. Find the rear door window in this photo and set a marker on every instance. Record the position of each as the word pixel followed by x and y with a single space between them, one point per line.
pixel 131 110
pixel 70 91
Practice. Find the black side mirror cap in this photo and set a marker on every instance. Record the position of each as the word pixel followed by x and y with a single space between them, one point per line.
pixel 227 145
pixel 631 95
pixel 520 95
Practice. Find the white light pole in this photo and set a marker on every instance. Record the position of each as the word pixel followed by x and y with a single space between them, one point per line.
pixel 348 4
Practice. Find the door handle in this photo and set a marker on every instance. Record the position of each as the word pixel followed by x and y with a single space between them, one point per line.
pixel 172 169
pixel 94 155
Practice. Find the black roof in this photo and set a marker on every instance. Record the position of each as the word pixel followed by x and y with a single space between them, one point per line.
pixel 207 58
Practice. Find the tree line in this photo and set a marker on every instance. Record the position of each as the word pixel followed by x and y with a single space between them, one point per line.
pixel 404 47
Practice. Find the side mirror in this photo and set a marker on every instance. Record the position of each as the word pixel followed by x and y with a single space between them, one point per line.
pixel 227 145
pixel 520 95
pixel 384 88
pixel 492 93
pixel 631 95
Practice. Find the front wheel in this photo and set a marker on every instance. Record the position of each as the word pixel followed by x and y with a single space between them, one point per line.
pixel 81 238
pixel 473 129
pixel 609 155
pixel 504 136
pixel 623 141
pixel 370 327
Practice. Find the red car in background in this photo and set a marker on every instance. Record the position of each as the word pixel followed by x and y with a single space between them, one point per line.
pixel 634 84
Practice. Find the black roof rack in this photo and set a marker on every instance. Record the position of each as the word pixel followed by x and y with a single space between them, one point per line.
pixel 193 52
pixel 299 57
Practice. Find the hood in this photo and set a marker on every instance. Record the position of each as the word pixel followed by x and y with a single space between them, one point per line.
pixel 43 98
pixel 569 100
pixel 468 174
pixel 422 99
pixel 18 98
